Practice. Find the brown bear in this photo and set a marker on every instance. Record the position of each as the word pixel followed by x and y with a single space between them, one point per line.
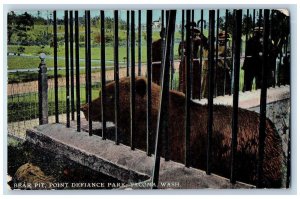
pixel 248 131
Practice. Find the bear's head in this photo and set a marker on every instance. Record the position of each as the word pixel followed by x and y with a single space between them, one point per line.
pixel 124 99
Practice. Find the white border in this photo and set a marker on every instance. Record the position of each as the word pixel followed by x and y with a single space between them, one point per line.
pixel 153 4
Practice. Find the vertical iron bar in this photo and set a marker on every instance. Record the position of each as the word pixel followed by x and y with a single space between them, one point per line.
pixel 163 39
pixel 127 44
pixel 259 18
pixel 162 116
pixel 191 66
pixel 182 43
pixel 89 78
pixel 55 65
pixel 263 100
pixel 139 44
pixel 132 81
pixel 116 74
pixel 225 49
pixel 86 55
pixel 72 64
pixel 149 80
pixel 210 87
pixel 172 61
pixel 67 68
pixel 188 68
pixel 237 53
pixel 254 13
pixel 103 80
pixel 217 52
pixel 77 71
pixel 201 54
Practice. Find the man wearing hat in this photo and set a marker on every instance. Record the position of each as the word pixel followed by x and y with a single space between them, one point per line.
pixel 157 57
pixel 222 75
pixel 253 60
pixel 198 39
pixel 223 66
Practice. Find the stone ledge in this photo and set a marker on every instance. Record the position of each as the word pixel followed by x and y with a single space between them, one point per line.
pixel 252 99
pixel 119 161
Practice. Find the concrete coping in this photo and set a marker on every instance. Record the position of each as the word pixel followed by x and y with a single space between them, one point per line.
pixel 133 167
pixel 251 99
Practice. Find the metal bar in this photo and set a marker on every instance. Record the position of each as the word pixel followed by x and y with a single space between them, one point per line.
pixel 182 47
pixel 116 74
pixel 139 44
pixel 72 64
pixel 237 54
pixel 217 52
pixel 167 84
pixel 210 87
pixel 149 80
pixel 86 55
pixel 77 71
pixel 259 18
pixel 162 116
pixel 172 62
pixel 254 13
pixel 232 66
pixel 55 66
pixel 163 39
pixel 225 49
pixel 263 100
pixel 67 68
pixel 127 44
pixel 132 83
pixel 188 71
pixel 201 54
pixel 88 58
pixel 103 79
pixel 191 66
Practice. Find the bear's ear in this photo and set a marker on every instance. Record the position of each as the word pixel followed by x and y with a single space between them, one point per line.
pixel 141 86
pixel 84 107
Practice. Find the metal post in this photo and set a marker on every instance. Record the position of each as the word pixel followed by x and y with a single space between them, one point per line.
pixel 86 55
pixel 210 87
pixel 217 52
pixel 163 40
pixel 72 65
pixel 55 66
pixel 116 74
pixel 225 49
pixel 254 13
pixel 132 82
pixel 127 44
pixel 88 69
pixel 149 80
pixel 162 116
pixel 103 79
pixel 201 54
pixel 188 70
pixel 139 44
pixel 182 47
pixel 67 68
pixel 237 53
pixel 77 71
pixel 43 91
pixel 263 100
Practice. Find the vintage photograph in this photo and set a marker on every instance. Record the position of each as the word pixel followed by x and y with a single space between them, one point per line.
pixel 148 99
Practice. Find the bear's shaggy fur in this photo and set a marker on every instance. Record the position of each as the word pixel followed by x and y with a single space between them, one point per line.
pixel 248 131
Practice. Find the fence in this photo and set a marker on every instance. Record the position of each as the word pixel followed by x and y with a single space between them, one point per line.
pixel 78 88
